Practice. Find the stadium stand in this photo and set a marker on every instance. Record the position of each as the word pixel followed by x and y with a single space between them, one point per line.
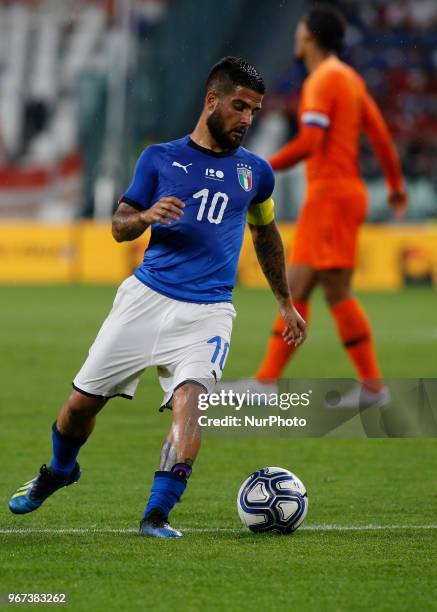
pixel 61 68
pixel 54 57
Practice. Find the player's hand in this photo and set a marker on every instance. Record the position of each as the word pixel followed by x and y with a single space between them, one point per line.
pixel 295 332
pixel 164 211
pixel 398 200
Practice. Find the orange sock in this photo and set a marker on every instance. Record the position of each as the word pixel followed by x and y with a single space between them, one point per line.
pixel 279 352
pixel 356 334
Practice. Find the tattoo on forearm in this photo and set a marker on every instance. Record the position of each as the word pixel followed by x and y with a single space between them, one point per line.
pixel 127 226
pixel 270 252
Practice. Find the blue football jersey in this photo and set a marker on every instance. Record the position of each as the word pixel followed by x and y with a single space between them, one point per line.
pixel 195 258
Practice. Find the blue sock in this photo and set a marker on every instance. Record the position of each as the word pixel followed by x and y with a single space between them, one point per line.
pixel 166 491
pixel 65 451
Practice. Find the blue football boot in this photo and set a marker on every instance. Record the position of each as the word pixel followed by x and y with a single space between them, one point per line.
pixel 155 525
pixel 32 494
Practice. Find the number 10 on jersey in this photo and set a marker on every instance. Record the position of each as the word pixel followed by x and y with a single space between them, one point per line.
pixel 219 201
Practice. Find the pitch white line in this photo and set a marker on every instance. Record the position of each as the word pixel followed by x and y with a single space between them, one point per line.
pixel 365 527
pixel 90 530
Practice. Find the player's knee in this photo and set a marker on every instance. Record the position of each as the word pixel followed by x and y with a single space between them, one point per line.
pixel 334 289
pixel 300 293
pixel 331 296
pixel 187 395
pixel 300 284
pixel 79 404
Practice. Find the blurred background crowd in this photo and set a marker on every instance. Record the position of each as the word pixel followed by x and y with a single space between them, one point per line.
pixel 86 85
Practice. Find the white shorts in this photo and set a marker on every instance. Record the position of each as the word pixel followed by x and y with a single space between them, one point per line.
pixel 185 341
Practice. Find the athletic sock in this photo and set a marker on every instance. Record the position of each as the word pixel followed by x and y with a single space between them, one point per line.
pixel 167 489
pixel 356 334
pixel 278 351
pixel 65 451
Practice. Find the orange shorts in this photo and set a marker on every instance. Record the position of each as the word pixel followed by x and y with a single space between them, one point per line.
pixel 327 231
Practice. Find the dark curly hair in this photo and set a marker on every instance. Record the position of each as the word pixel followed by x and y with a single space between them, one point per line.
pixel 231 72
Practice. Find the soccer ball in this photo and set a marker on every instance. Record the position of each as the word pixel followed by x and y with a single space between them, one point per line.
pixel 272 499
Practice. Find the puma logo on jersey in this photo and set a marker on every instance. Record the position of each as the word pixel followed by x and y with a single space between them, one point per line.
pixel 184 168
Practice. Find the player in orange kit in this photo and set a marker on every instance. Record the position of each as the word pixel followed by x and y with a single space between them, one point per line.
pixel 334 108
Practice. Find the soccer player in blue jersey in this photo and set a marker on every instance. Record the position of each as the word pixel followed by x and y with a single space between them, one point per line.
pixel 176 312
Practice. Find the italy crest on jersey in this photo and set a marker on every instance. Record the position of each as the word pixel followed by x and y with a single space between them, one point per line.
pixel 244 176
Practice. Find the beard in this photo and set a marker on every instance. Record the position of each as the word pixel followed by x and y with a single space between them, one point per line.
pixel 225 140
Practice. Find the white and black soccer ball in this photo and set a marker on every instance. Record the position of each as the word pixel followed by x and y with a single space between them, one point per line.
pixel 272 499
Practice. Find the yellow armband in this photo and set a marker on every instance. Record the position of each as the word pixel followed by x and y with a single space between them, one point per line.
pixel 261 214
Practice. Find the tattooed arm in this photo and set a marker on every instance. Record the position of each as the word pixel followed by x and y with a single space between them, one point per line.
pixel 128 223
pixel 270 252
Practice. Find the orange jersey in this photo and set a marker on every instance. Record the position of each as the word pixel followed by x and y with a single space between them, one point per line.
pixel 333 99
pixel 334 108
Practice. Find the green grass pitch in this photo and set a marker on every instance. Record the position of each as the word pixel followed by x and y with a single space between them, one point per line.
pixel 45 335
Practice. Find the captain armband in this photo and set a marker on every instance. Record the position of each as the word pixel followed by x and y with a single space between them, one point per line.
pixel 261 214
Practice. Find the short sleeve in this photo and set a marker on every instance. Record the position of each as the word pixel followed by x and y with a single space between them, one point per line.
pixel 140 192
pixel 316 104
pixel 266 183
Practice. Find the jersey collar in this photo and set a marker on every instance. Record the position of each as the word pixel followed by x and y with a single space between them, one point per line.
pixel 194 145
